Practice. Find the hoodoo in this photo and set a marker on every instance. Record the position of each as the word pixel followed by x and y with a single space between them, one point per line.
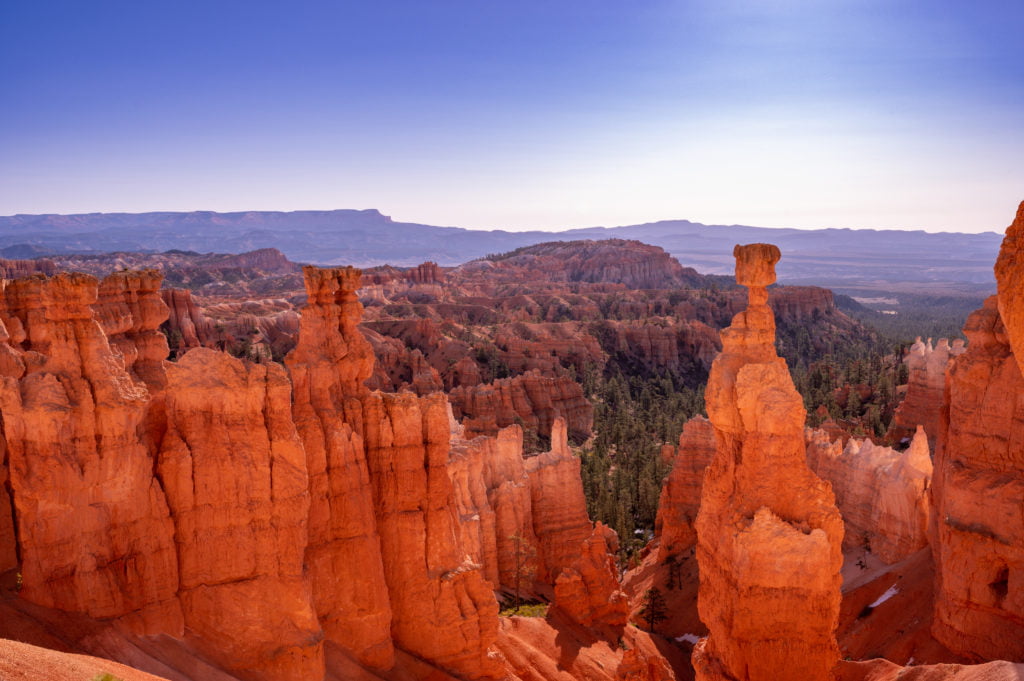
pixel 768 532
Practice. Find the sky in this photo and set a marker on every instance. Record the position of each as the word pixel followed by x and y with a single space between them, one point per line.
pixel 531 114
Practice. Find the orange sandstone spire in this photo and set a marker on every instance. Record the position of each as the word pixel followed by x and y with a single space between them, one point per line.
pixel 768 532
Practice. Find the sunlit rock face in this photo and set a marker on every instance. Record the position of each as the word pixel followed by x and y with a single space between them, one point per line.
pixel 978 529
pixel 94 529
pixel 680 494
pixel 768 532
pixel 926 385
pixel 882 494
pixel 234 473
pixel 343 557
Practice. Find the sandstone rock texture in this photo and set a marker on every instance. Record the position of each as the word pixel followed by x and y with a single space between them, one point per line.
pixel 343 556
pixel 768 532
pixel 442 607
pixel 533 400
pixel 1010 284
pixel 882 494
pixel 246 512
pixel 926 385
pixel 234 472
pixel 95 533
pixel 492 493
pixel 588 592
pixel 560 518
pixel 186 323
pixel 978 538
pixel 680 495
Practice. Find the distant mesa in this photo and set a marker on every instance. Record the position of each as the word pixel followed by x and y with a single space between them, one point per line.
pixel 366 238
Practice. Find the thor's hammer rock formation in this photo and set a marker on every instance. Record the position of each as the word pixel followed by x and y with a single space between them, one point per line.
pixel 768 532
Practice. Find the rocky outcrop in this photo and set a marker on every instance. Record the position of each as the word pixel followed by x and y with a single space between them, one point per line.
pixel 130 312
pixel 682 347
pixel 443 608
pixel 234 472
pixel 588 592
pixel 1010 285
pixel 343 557
pixel 492 494
pixel 768 532
pixel 680 494
pixel 926 385
pixel 187 326
pixel 94 530
pixel 795 304
pixel 881 493
pixel 16 269
pixel 560 518
pixel 979 481
pixel 531 400
pixel 8 538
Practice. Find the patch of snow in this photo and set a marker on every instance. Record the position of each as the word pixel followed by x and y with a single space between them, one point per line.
pixel 890 592
pixel 688 638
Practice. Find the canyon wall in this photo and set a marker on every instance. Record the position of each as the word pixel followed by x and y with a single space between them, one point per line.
pixel 531 400
pixel 768 532
pixel 343 556
pixel 978 540
pixel 252 512
pixel 979 481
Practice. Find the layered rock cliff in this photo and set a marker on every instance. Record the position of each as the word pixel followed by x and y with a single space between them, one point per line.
pixel 978 485
pixel 978 529
pixel 94 530
pixel 532 400
pixel 442 607
pixel 492 492
pixel 343 556
pixel 882 494
pixel 768 532
pixel 234 473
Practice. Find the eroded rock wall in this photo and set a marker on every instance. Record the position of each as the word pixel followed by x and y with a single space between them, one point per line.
pixel 680 494
pixel 443 609
pixel 234 472
pixel 532 400
pixel 327 369
pixel 926 385
pixel 95 533
pixel 978 540
pixel 881 493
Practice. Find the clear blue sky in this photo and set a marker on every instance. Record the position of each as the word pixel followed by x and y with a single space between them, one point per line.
pixel 520 114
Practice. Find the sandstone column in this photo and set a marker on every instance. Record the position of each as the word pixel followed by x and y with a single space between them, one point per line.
pixel 327 368
pixel 768 532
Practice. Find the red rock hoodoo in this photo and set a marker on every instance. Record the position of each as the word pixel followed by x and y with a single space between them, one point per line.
pixel 926 386
pixel 768 532
pixel 82 478
pixel 327 368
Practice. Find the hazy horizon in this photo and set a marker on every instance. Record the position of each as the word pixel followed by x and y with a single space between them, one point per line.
pixel 860 114
pixel 552 230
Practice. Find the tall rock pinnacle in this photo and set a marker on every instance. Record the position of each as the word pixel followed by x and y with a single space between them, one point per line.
pixel 768 532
